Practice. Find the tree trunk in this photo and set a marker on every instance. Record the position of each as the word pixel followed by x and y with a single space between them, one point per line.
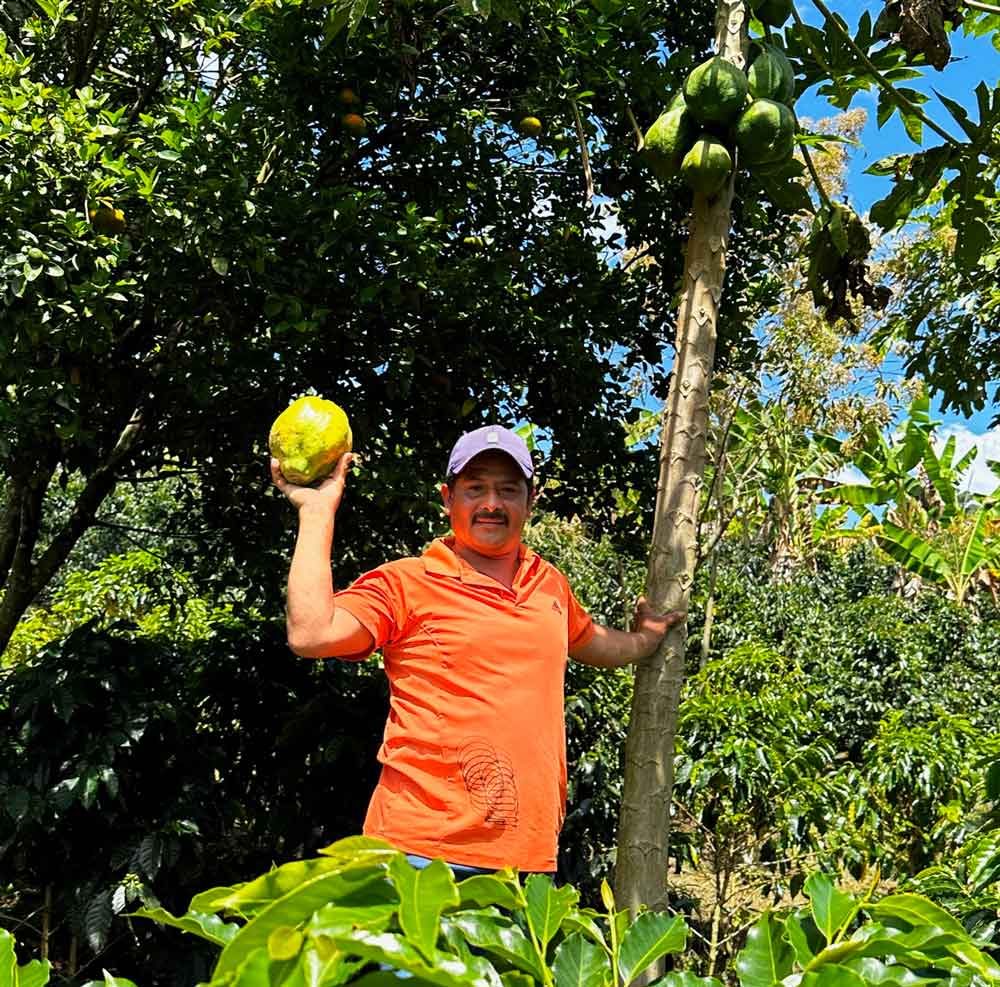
pixel 644 823
pixel 29 572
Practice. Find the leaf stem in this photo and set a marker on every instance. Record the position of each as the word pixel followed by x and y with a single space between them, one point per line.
pixel 639 137
pixel 988 7
pixel 584 154
pixel 887 87
pixel 817 181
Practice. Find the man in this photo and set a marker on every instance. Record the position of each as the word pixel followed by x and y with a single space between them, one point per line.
pixel 474 634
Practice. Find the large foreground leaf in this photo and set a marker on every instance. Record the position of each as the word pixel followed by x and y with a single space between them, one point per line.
pixel 547 906
pixel 651 936
pixel 423 894
pixel 309 888
pixel 498 936
pixel 831 908
pixel 33 974
pixel 394 951
pixel 580 963
pixel 209 927
pixel 767 956
pixel 916 910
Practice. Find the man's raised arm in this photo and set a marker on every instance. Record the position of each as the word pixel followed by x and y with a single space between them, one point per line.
pixel 316 627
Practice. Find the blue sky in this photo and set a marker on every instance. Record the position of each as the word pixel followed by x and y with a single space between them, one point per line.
pixel 974 59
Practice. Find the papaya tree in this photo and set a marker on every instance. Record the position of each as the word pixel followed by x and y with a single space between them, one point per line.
pixel 841 64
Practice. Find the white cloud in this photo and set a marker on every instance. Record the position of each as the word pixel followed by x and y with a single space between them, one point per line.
pixel 978 478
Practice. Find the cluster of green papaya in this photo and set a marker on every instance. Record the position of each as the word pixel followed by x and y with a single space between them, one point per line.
pixel 721 109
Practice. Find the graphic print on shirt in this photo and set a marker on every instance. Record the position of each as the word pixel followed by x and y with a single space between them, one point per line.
pixel 489 779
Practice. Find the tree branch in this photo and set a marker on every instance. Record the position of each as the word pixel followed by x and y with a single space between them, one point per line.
pixel 9 524
pixel 584 154
pixel 98 486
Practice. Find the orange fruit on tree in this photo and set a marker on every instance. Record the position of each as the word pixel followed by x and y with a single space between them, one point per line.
pixel 354 124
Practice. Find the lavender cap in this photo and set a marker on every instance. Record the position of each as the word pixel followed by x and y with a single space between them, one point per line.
pixel 486 438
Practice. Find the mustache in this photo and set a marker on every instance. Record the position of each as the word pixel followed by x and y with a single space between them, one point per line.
pixel 491 516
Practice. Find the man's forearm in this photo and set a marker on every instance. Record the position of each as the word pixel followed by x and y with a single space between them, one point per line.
pixel 610 648
pixel 310 580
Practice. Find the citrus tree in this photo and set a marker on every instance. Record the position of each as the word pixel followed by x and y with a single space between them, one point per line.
pixel 212 208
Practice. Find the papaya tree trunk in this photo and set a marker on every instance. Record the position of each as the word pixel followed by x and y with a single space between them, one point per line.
pixel 644 822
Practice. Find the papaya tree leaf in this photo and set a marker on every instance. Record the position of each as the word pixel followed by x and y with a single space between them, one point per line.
pixel 651 936
pixel 960 116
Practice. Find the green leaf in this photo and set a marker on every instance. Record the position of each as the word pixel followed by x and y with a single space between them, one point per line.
pixel 972 239
pixel 337 919
pixel 856 494
pixel 50 8
pixel 580 963
pixel 209 927
pixel 651 936
pixel 212 900
pixel 798 937
pixel 607 895
pixel 960 116
pixel 423 894
pixel 499 936
pixel 291 895
pixel 32 974
pixel 585 921
pixel 686 979
pixel 876 972
pixel 916 910
pixel 767 957
pixel 547 906
pixel 491 889
pixel 912 552
pixel 913 126
pixel 394 951
pixel 832 975
pixel 220 265
pixel 350 848
pixel 831 909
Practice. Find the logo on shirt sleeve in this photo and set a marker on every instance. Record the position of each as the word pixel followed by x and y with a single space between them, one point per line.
pixel 489 779
pixel 557 607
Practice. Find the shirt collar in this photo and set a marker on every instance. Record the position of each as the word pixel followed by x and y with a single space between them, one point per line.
pixel 440 559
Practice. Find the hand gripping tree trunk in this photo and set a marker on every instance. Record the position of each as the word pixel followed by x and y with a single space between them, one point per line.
pixel 644 823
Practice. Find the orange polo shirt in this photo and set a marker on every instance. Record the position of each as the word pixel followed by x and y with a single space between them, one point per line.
pixel 474 752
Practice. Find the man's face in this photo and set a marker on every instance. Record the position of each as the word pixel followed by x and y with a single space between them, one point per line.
pixel 488 504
